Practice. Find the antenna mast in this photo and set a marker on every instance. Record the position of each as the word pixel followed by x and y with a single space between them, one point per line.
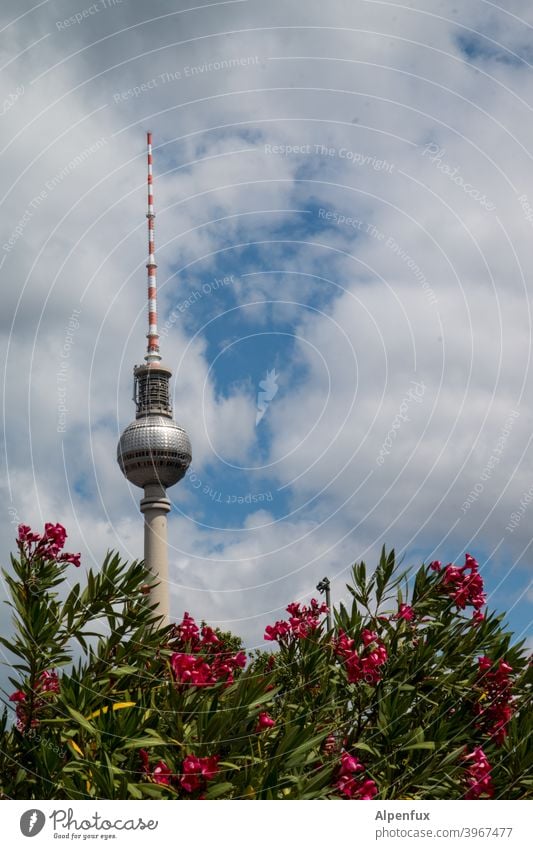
pixel 152 352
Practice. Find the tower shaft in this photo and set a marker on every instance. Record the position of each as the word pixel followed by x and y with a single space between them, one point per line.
pixel 155 505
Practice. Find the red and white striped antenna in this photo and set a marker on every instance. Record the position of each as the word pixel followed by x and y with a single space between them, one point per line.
pixel 152 352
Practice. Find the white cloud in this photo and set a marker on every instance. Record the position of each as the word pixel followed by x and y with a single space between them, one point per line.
pixel 374 81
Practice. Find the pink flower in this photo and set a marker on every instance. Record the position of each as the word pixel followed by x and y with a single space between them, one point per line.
pixel 161 773
pixel 56 534
pixel 278 632
pixel 208 636
pixel 25 535
pixel 46 546
pixel 503 669
pixel 197 772
pixel 367 789
pixel 318 608
pixel 405 611
pixel 478 775
pixel 191 669
pixel 494 708
pixel 18 697
pixel 350 764
pixel 302 622
pixel 188 630
pixel 368 636
pixel 209 767
pixel 191 782
pixel 202 658
pixel 353 668
pixel 466 589
pixel 435 565
pixel 48 682
pixel 239 659
pixel 264 721
pixel 71 558
pixel 344 644
pixel 348 785
pixel 365 665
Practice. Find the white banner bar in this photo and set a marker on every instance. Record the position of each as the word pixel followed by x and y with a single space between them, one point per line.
pixel 238 825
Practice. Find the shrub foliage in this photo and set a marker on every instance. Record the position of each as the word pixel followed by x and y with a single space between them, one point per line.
pixel 417 692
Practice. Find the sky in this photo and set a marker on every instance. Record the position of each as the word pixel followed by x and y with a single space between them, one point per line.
pixel 344 199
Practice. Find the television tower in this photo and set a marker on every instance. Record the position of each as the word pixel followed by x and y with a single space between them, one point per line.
pixel 154 452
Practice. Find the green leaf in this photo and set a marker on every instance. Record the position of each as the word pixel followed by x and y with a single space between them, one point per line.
pixel 144 742
pixel 364 747
pixel 217 790
pixel 80 719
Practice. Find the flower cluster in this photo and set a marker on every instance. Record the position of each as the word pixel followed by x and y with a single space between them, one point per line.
pixel 494 707
pixel 302 622
pixel 45 546
pixel 27 710
pixel 202 657
pixel 464 585
pixel 478 775
pixel 349 784
pixel 196 772
pixel 364 665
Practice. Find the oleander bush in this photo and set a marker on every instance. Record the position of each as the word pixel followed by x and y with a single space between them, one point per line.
pixel 417 692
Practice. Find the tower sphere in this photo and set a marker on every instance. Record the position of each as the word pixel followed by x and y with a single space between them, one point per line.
pixel 154 449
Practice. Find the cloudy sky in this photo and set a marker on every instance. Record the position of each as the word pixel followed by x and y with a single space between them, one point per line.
pixel 344 197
